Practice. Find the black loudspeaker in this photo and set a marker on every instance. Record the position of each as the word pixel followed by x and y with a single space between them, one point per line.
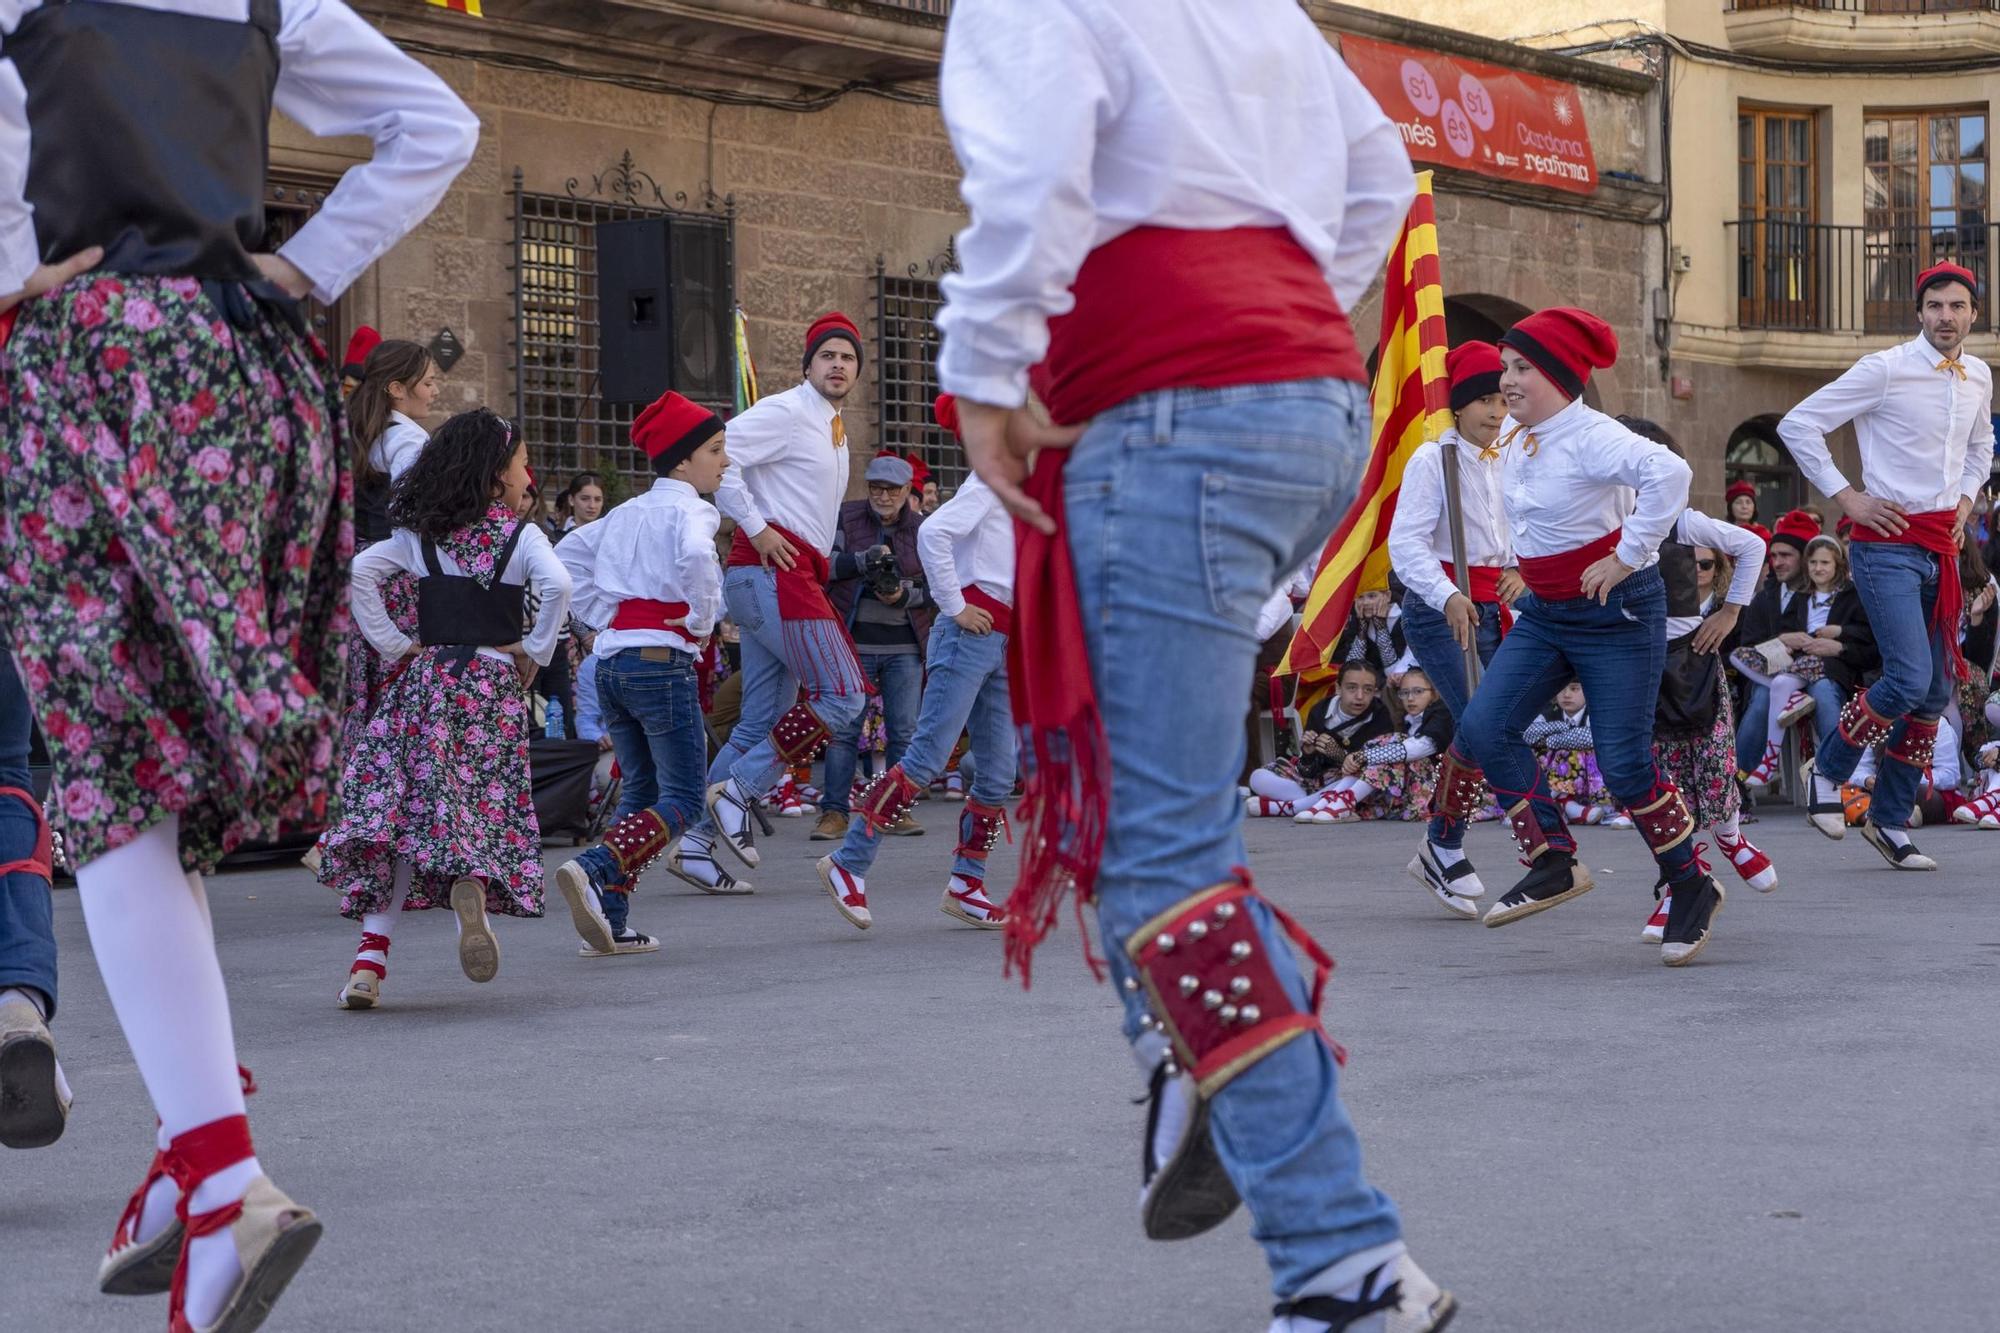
pixel 663 310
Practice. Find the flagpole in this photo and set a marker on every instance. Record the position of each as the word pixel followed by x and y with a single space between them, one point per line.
pixel 1456 515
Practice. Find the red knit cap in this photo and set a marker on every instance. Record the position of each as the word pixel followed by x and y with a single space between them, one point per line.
pixel 945 409
pixel 1763 533
pixel 833 324
pixel 1565 344
pixel 1474 368
pixel 1737 488
pixel 364 341
pixel 671 428
pixel 1796 529
pixel 1946 272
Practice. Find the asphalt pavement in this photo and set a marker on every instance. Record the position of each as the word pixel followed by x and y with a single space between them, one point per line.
pixel 781 1123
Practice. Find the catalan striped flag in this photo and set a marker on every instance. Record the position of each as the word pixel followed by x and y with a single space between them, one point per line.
pixel 462 6
pixel 1410 403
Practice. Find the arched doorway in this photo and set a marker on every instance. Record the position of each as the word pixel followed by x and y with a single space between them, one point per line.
pixel 1756 455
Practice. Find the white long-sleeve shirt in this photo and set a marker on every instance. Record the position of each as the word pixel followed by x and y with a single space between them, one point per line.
pixel 398 446
pixel 659 546
pixel 1420 534
pixel 1744 547
pixel 784 469
pixel 1587 475
pixel 968 541
pixel 1926 436
pixel 1078 120
pixel 533 562
pixel 336 76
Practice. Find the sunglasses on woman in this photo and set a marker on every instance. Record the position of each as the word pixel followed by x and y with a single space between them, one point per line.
pixel 1704 564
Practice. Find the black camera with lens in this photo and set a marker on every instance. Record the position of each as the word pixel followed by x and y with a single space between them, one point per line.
pixel 882 573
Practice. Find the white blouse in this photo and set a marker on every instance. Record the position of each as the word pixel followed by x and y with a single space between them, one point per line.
pixel 533 560
pixel 1420 534
pixel 1580 475
pixel 398 446
pixel 336 76
pixel 783 467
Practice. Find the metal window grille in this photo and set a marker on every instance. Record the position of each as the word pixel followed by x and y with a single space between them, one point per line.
pixel 558 410
pixel 906 347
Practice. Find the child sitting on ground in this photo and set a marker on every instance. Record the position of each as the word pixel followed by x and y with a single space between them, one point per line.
pixel 1569 759
pixel 1338 725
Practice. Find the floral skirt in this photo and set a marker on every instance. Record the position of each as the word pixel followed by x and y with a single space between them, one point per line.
pixel 366 671
pixel 1704 767
pixel 439 778
pixel 1573 776
pixel 176 533
pixel 1402 791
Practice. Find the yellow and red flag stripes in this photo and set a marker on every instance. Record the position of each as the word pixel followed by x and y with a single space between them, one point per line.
pixel 1410 403
pixel 462 6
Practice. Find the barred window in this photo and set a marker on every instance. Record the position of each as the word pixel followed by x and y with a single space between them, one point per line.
pixel 906 347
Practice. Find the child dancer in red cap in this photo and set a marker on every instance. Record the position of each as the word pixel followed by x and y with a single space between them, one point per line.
pixel 1589 504
pixel 1440 622
pixel 1923 416
pixel 647 579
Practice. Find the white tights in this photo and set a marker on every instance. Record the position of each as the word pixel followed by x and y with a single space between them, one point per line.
pixel 155 944
pixel 1783 686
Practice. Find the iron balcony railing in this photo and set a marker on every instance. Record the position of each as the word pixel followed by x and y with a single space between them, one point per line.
pixel 1868 6
pixel 920 6
pixel 1821 278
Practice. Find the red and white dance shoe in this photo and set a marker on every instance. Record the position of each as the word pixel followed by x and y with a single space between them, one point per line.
pixel 1752 866
pixel 848 890
pixel 1797 708
pixel 1263 807
pixel 1656 924
pixel 1979 811
pixel 1332 807
pixel 1761 777
pixel 371 968
pixel 966 899
pixel 784 799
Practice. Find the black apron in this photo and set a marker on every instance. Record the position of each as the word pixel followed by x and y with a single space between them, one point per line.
pixel 460 614
pixel 1690 681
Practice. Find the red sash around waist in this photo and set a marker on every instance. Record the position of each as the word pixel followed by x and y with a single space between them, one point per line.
pixel 1559 578
pixel 1003 614
pixel 1933 532
pixel 802 588
pixel 1484 583
pixel 644 613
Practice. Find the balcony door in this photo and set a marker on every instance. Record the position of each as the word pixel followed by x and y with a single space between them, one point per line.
pixel 1777 181
pixel 1924 199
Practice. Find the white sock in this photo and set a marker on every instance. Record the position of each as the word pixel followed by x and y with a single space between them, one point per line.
pixel 155 949
pixel 1728 828
pixel 29 997
pixel 1825 788
pixel 1447 856
pixel 1573 809
pixel 213 1266
pixel 697 842
pixel 160 1200
pixel 1894 836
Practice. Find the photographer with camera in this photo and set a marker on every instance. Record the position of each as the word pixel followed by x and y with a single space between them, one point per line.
pixel 878 588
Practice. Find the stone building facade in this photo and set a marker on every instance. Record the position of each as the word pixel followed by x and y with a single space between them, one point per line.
pixel 800 143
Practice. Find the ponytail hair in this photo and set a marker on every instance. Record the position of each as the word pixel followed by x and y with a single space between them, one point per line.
pixel 394 361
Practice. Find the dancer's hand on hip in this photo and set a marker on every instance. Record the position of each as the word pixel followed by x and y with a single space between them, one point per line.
pixel 1884 516
pixel 47 277
pixel 1719 625
pixel 1463 616
pixel 775 550
pixel 975 620
pixel 999 442
pixel 283 274
pixel 1512 585
pixel 1602 577
pixel 1964 514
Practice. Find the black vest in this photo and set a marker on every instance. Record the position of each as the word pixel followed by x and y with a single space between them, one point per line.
pixel 456 610
pixel 150 134
pixel 371 510
pixel 1677 571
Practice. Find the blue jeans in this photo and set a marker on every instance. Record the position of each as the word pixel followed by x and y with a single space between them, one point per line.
pixel 1184 509
pixel 778 659
pixel 1616 651
pixel 1898 584
pixel 652 711
pixel 1429 638
pixel 27 922
pixel 968 685
pixel 899 679
pixel 1754 729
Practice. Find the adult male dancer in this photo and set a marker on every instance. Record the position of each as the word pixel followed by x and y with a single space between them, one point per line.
pixel 1180 255
pixel 787 475
pixel 1923 416
pixel 967 547
pixel 1588 505
pixel 1439 621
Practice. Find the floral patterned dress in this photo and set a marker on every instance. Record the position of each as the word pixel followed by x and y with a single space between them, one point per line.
pixel 175 525
pixel 439 774
pixel 1704 767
